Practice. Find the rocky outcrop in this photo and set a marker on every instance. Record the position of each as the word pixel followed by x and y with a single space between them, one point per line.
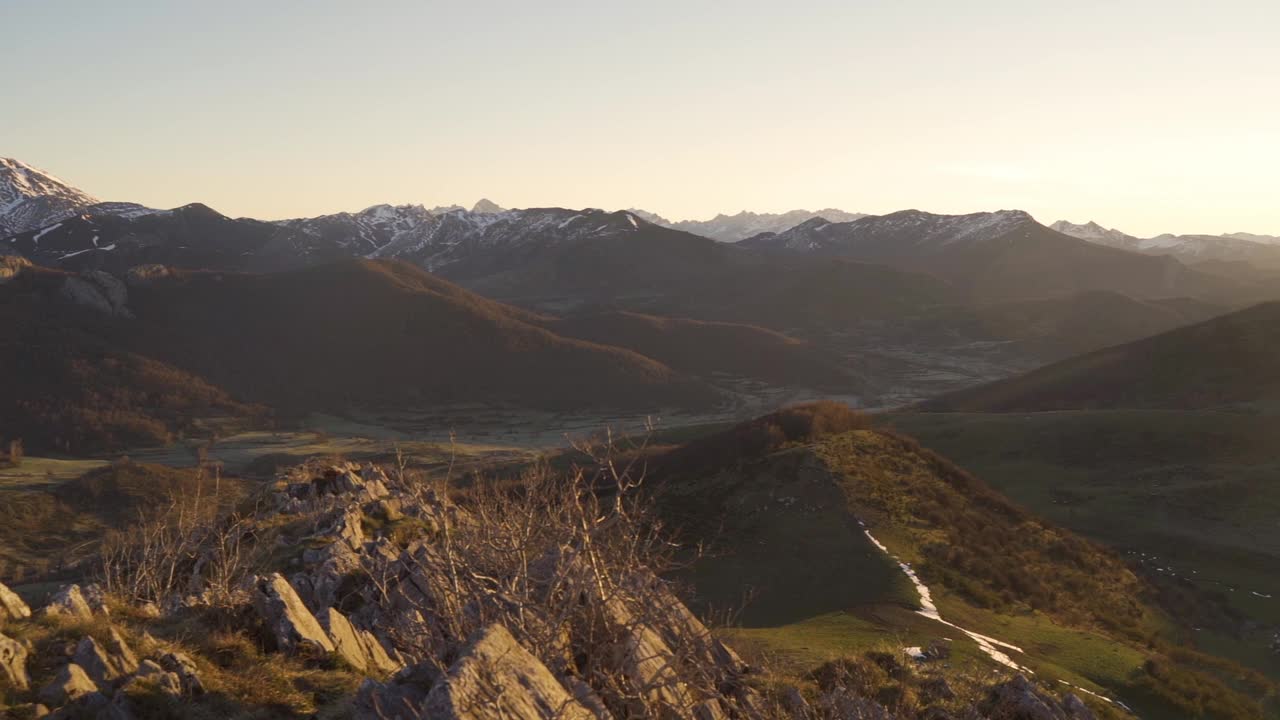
pixel 105 665
pixel 68 601
pixel 349 481
pixel 294 628
pixel 12 607
pixel 494 677
pixel 359 648
pixel 13 664
pixel 150 674
pixel 404 698
pixel 1020 699
pixel 71 683
pixel 185 669
pixel 100 291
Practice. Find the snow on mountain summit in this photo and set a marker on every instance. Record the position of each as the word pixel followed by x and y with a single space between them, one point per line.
pixel 31 198
pixel 1093 232
pixel 898 231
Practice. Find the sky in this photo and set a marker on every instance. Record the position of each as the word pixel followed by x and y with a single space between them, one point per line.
pixel 1147 116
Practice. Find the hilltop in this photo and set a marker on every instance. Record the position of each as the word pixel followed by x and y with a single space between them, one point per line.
pixel 809 511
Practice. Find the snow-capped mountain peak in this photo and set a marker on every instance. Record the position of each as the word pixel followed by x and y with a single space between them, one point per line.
pixel 1095 233
pixel 745 224
pixel 19 181
pixel 905 231
pixel 31 198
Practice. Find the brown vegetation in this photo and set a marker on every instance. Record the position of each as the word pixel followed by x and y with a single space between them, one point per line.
pixel 373 333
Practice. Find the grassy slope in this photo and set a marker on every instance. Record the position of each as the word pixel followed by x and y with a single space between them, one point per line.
pixel 45 531
pixel 787 519
pixel 1204 510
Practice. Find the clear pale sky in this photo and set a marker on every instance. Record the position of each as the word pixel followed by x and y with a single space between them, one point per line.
pixel 1147 116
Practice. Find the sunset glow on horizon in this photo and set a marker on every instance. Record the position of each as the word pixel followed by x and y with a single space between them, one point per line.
pixel 1149 117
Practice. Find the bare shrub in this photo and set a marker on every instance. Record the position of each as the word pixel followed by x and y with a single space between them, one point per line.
pixel 193 544
pixel 569 563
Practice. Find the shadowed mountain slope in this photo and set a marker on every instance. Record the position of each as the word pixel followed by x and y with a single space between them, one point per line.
pixel 1226 360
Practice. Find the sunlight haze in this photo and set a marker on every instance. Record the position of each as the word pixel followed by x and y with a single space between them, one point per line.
pixel 291 109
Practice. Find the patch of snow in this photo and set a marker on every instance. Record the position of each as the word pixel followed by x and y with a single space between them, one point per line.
pixel 46 231
pixel 989 645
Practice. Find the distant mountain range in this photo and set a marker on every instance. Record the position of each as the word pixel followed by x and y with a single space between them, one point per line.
pixel 1003 255
pixel 732 228
pixel 884 293
pixel 1262 251
pixel 31 199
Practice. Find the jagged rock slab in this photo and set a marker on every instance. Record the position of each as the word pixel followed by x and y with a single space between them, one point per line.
pixel 185 668
pixel 358 647
pixel 106 665
pixel 70 684
pixel 11 606
pixel 13 664
pixel 495 678
pixel 292 625
pixel 70 602
pixel 150 673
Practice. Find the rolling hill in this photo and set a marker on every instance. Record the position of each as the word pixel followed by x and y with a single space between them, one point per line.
pixel 378 332
pixel 807 512
pixel 91 366
pixel 1223 361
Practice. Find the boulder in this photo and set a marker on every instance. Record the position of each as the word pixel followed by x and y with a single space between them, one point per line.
pixel 105 665
pixel 1076 709
pixel 359 648
pixel 391 701
pixel 68 601
pixel 495 678
pixel 71 683
pixel 100 291
pixel 13 664
pixel 11 606
pixel 151 674
pixel 796 705
pixel 1019 699
pixel 185 668
pixel 288 620
pixel 96 598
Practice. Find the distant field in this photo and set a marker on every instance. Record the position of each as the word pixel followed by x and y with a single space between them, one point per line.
pixel 37 472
